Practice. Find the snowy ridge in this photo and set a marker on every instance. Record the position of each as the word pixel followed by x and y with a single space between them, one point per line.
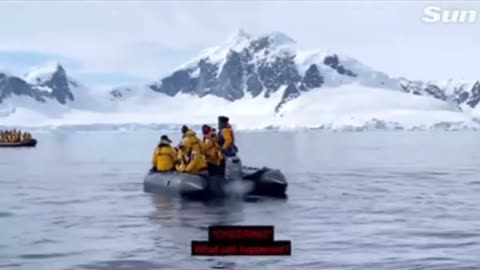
pixel 42 74
pixel 236 42
pixel 343 109
pixel 263 82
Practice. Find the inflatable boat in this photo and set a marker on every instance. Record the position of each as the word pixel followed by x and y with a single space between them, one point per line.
pixel 24 143
pixel 253 181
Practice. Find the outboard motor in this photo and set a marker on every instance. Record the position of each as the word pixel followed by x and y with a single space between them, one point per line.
pixel 235 186
pixel 233 168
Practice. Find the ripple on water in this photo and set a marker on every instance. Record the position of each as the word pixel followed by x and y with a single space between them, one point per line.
pixel 43 241
pixel 223 265
pixel 33 256
pixel 110 174
pixel 61 202
pixel 6 214
pixel 474 183
pixel 21 194
pixel 124 264
pixel 11 265
pixel 427 263
pixel 131 256
pixel 137 225
pixel 445 235
pixel 123 187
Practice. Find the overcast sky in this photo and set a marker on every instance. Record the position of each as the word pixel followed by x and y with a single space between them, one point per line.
pixel 110 43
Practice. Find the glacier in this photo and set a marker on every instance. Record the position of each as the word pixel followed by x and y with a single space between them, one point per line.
pixel 350 107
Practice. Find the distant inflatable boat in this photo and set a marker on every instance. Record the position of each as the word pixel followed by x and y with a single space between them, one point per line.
pixel 255 181
pixel 24 143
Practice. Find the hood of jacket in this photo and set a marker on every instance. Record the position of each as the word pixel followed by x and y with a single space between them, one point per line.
pixel 190 133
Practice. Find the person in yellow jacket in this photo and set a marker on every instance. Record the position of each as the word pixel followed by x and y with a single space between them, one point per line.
pixel 211 150
pixel 164 157
pixel 192 155
pixel 14 135
pixel 226 141
pixel 181 161
pixel 226 137
pixel 27 136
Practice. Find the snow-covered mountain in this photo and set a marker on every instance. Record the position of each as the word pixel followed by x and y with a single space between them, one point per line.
pixel 268 78
pixel 259 66
pixel 247 66
pixel 49 82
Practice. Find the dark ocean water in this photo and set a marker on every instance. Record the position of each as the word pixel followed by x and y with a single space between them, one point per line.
pixel 377 200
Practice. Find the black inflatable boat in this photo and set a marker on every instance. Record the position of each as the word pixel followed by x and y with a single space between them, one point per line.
pixel 25 143
pixel 253 181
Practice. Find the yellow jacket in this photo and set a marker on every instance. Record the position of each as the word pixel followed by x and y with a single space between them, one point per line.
pixel 27 136
pixel 181 162
pixel 228 138
pixel 164 158
pixel 211 149
pixel 192 154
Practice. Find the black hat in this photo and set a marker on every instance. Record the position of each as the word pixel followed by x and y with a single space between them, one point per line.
pixel 223 118
pixel 165 138
pixel 184 129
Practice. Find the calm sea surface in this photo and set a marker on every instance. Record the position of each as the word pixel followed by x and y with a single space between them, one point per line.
pixel 374 200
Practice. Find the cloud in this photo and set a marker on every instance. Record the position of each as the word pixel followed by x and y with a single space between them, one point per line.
pixel 19 62
pixel 147 39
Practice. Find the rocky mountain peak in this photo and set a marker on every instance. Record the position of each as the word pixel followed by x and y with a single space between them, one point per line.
pixel 59 84
pixel 277 38
pixel 42 83
pixel 238 36
pixel 474 98
pixel 243 65
pixel 39 75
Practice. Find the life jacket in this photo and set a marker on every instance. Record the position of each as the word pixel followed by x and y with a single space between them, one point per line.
pixel 165 157
pixel 193 141
pixel 193 158
pixel 211 149
pixel 161 153
pixel 232 150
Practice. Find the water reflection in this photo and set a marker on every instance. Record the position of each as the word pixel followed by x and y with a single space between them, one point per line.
pixel 173 211
pixel 163 208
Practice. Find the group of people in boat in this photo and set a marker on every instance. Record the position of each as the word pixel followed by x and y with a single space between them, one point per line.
pixel 14 136
pixel 194 155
